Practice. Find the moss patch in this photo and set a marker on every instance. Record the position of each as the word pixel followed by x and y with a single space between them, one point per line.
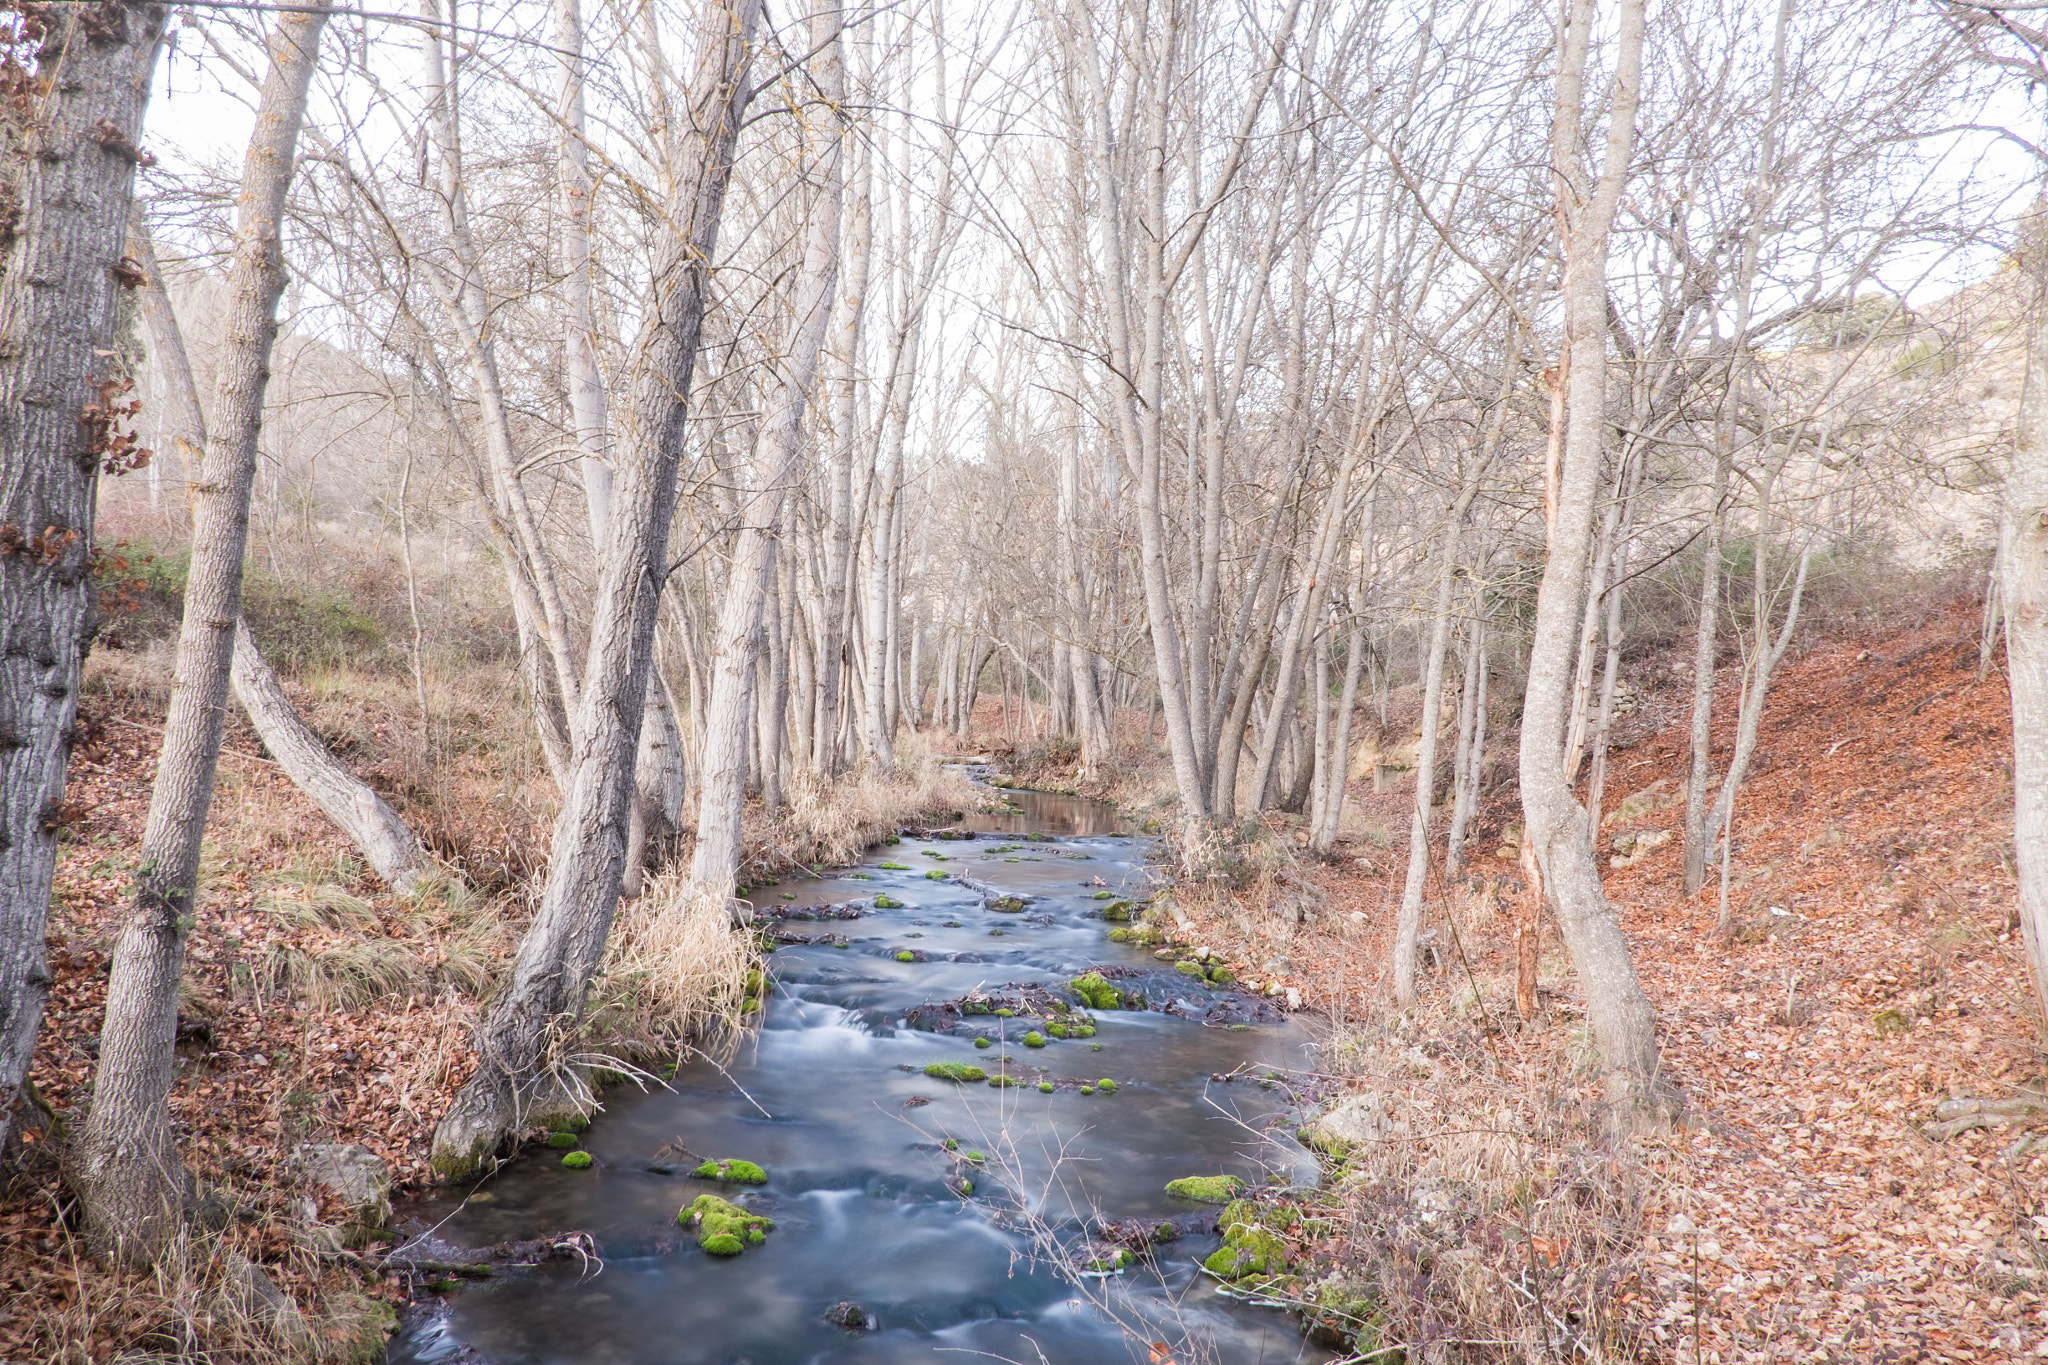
pixel 885 901
pixel 577 1161
pixel 956 1071
pixel 1206 1189
pixel 562 1142
pixel 1096 991
pixel 723 1228
pixel 732 1169
pixel 1250 1246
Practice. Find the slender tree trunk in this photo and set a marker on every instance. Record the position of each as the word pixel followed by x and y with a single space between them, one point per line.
pixel 126 1168
pixel 1622 1022
pixel 1471 748
pixel 2023 583
pixel 1705 645
pixel 1325 838
pixel 778 457
pixel 518 1074
pixel 1408 924
pixel 72 138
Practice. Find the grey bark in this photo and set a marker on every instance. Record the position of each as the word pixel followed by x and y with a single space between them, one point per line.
pixel 1560 838
pixel 519 1073
pixel 126 1168
pixel 71 183
pixel 2023 583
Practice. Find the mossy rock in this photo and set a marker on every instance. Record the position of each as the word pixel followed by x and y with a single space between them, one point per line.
pixel 1119 936
pixel 885 901
pixel 1347 1317
pixel 1250 1246
pixel 1105 895
pixel 1190 967
pixel 937 875
pixel 1087 1089
pixel 733 1171
pixel 1006 1014
pixel 952 1144
pixel 956 1071
pixel 1221 975
pixel 562 1142
pixel 1206 1189
pixel 578 1124
pixel 976 1157
pixel 754 982
pixel 984 1042
pixel 906 956
pixel 894 867
pixel 1007 905
pixel 723 1228
pixel 1003 1080
pixel 1166 1232
pixel 1119 1260
pixel 578 1161
pixel 1106 1085
pixel 1046 1087
pixel 752 1004
pixel 1095 990
pixel 1034 1039
pixel 936 856
pixel 1118 911
pixel 1055 1029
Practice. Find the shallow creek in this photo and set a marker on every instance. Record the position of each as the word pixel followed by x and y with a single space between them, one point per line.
pixel 864 1194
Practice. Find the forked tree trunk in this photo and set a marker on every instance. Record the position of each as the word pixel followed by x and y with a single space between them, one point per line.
pixel 126 1167
pixel 519 1073
pixel 1623 1024
pixel 70 170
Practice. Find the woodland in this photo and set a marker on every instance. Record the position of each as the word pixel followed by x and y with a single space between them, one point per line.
pixel 1538 511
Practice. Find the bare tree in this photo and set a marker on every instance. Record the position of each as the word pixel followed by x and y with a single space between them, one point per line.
pixel 126 1166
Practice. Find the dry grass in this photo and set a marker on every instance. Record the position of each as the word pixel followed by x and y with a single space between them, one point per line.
pixel 825 825
pixel 676 969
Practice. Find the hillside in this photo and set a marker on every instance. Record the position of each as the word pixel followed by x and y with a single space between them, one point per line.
pixel 1870 972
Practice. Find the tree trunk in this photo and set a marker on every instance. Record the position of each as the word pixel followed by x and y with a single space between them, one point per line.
pixel 70 171
pixel 519 1075
pixel 1706 631
pixel 1408 924
pixel 387 844
pixel 1622 1022
pixel 2023 582
pixel 126 1168
pixel 1471 749
pixel 714 867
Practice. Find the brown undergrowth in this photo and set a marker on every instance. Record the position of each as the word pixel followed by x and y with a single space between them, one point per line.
pixel 1869 971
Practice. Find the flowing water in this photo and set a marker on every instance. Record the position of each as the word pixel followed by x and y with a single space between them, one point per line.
pixel 831 1098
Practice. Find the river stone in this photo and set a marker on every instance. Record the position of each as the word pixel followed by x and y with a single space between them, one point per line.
pixel 352 1173
pixel 850 1315
pixel 1352 1122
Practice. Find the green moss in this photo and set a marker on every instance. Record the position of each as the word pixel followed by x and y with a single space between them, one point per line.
pixel 936 875
pixel 1055 1029
pixel 885 901
pixel 1094 1047
pixel 1087 1089
pixel 1220 974
pixel 1206 1189
pixel 984 1042
pixel 563 1141
pixel 955 1071
pixel 1190 967
pixel 1165 1232
pixel 1105 895
pixel 1121 1259
pixel 894 867
pixel 1034 1039
pixel 906 956
pixel 1096 991
pixel 1106 1084
pixel 723 1228
pixel 1350 1318
pixel 1007 905
pixel 1118 911
pixel 1250 1246
pixel 754 982
pixel 1002 1081
pixel 935 856
pixel 1006 1014
pixel 578 1124
pixel 1046 1087
pixel 732 1169
pixel 976 1157
pixel 577 1161
pixel 752 1005
pixel 1119 936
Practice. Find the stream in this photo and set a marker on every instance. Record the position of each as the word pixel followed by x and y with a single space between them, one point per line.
pixel 870 1206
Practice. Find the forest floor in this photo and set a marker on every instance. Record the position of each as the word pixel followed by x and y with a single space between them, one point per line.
pixel 1870 970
